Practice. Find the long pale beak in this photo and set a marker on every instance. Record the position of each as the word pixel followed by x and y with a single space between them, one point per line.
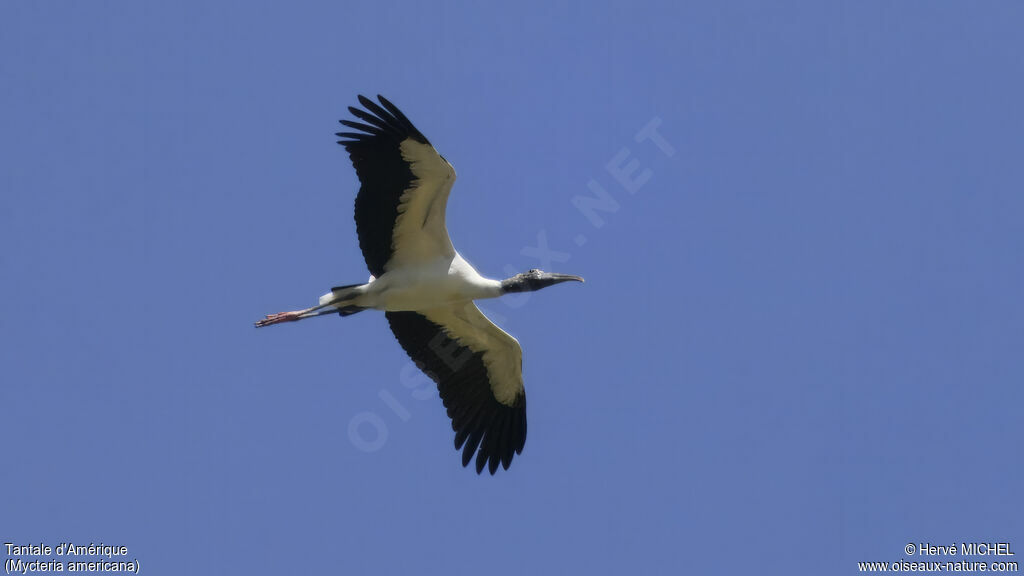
pixel 556 278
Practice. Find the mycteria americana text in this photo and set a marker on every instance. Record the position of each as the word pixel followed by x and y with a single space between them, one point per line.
pixel 426 289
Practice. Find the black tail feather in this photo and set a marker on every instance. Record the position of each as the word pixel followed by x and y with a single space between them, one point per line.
pixel 350 310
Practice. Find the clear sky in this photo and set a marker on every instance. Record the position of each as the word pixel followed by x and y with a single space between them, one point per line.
pixel 799 345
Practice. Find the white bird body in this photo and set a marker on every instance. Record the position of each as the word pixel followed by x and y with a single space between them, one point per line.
pixel 423 286
pixel 426 289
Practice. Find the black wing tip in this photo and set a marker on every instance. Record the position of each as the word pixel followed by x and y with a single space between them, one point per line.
pixel 492 467
pixel 389 115
pixel 495 440
pixel 366 102
pixel 483 461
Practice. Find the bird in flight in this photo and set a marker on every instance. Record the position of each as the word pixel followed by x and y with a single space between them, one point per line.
pixel 426 289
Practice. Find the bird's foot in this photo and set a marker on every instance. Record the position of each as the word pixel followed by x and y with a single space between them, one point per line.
pixel 280 317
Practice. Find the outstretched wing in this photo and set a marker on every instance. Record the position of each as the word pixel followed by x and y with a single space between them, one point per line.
pixel 400 208
pixel 478 370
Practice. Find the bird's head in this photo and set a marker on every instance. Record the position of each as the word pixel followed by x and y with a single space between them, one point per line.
pixel 535 280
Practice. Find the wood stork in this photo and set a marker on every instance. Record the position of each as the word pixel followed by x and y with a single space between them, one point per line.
pixel 426 289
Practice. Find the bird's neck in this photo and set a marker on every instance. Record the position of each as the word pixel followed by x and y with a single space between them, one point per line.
pixel 514 284
pixel 489 288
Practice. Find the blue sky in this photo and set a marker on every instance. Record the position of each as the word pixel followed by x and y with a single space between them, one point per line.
pixel 798 347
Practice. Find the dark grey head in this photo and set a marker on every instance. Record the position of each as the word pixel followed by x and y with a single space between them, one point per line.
pixel 535 280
